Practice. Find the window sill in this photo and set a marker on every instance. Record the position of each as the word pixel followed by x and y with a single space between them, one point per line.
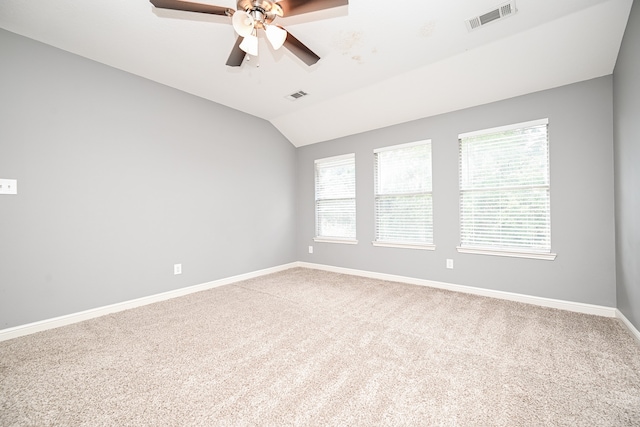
pixel 514 254
pixel 335 240
pixel 424 247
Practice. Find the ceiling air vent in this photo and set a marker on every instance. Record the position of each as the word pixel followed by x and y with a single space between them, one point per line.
pixel 297 95
pixel 503 11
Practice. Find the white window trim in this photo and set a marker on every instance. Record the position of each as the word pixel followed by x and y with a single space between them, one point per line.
pixel 399 146
pixel 548 256
pixel 514 126
pixel 335 240
pixel 334 158
pixel 425 247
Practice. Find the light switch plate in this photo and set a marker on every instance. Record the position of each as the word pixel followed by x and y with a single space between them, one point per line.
pixel 8 186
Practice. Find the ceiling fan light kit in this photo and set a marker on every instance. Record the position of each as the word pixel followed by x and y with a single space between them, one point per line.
pixel 243 23
pixel 276 36
pixel 250 45
pixel 254 15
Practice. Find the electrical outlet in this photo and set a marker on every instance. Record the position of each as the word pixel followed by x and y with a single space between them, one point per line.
pixel 177 268
pixel 450 263
pixel 8 186
pixel 310 249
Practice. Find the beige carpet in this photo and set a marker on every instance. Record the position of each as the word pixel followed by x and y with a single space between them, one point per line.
pixel 311 348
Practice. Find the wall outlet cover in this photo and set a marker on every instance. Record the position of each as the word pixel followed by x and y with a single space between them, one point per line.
pixel 8 186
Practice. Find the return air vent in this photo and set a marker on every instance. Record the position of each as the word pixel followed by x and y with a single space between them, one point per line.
pixel 297 95
pixel 503 11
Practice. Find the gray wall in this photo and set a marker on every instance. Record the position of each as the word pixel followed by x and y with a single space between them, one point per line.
pixel 627 173
pixel 119 178
pixel 582 202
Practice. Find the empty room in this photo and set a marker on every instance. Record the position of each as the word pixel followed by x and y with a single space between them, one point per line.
pixel 319 213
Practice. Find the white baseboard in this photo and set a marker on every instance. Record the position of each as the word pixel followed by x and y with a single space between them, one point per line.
pixel 43 325
pixel 577 307
pixel 628 324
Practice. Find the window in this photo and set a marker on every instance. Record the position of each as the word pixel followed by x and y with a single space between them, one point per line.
pixel 403 203
pixel 336 199
pixel 504 191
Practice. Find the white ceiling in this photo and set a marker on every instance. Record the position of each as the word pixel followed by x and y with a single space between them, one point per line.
pixel 383 62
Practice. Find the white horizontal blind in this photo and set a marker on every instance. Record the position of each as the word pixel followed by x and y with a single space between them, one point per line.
pixel 336 197
pixel 504 189
pixel 403 202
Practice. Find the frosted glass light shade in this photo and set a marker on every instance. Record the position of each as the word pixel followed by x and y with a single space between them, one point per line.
pixel 243 23
pixel 250 45
pixel 276 36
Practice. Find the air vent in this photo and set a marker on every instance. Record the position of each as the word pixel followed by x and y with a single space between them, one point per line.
pixel 503 11
pixel 297 95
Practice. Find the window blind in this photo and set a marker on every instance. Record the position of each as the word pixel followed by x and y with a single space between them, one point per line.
pixel 403 202
pixel 504 188
pixel 335 182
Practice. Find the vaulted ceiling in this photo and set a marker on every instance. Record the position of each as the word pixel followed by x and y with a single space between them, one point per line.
pixel 383 62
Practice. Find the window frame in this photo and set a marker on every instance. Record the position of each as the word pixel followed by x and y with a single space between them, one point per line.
pixel 334 239
pixel 377 195
pixel 497 251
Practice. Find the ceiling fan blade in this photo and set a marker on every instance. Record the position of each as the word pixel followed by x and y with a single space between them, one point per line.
pixel 300 50
pixel 237 55
pixel 192 7
pixel 297 7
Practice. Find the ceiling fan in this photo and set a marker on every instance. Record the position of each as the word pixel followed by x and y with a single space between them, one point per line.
pixel 254 15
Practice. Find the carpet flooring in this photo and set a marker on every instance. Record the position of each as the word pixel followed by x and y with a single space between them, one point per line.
pixel 311 348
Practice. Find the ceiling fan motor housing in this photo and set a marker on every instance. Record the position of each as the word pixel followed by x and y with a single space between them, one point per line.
pixel 262 11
